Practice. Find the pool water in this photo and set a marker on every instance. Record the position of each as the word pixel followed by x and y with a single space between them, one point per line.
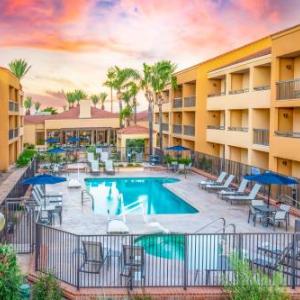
pixel 136 196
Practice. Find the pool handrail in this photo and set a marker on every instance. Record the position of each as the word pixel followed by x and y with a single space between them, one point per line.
pixel 212 222
pixel 86 194
pixel 227 226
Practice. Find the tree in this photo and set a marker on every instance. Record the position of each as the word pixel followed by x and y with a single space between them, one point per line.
pixel 126 112
pixel 110 83
pixel 37 106
pixel 103 97
pixel 19 67
pixel 79 95
pixel 70 96
pixel 95 99
pixel 133 89
pixel 28 104
pixel 161 77
pixel 50 110
pixel 118 79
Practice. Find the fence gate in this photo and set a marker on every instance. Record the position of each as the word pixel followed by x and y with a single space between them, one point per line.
pixel 19 231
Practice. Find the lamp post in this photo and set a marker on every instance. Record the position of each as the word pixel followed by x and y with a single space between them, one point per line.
pixel 2 221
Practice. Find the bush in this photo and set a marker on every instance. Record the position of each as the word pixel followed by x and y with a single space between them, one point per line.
pixel 46 288
pixel 25 157
pixel 184 161
pixel 10 275
pixel 253 285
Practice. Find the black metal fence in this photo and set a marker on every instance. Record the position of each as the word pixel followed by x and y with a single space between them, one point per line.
pixel 164 260
pixel 261 136
pixel 289 89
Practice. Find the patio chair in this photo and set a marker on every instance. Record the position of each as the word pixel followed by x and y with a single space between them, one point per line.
pixel 51 198
pixel 133 261
pixel 109 167
pixel 244 198
pixel 240 191
pixel 254 213
pixel 95 167
pixel 181 169
pixel 215 187
pixel 42 204
pixel 219 180
pixel 286 208
pixel 93 257
pixel 277 218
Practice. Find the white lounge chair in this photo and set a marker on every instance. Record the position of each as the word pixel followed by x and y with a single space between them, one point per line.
pixel 54 197
pixel 109 167
pixel 95 167
pixel 240 191
pixel 219 180
pixel 227 183
pixel 90 157
pixel 104 156
pixel 245 198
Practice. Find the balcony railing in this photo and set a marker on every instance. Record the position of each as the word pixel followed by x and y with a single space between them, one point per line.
pixel 189 101
pixel 189 130
pixel 216 94
pixel 177 103
pixel 13 106
pixel 289 89
pixel 235 128
pixel 261 136
pixel 241 91
pixel 291 134
pixel 13 133
pixel 261 88
pixel 218 127
pixel 177 129
pixel 165 126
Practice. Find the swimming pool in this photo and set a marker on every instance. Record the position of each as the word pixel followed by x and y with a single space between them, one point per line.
pixel 136 195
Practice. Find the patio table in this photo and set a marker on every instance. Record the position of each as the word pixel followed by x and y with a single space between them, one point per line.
pixel 266 211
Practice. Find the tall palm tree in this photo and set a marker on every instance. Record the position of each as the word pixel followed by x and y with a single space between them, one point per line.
pixel 103 97
pixel 110 83
pixel 79 95
pixel 37 106
pixel 95 99
pixel 19 67
pixel 70 96
pixel 118 80
pixel 28 104
pixel 162 76
pixel 133 89
pixel 127 110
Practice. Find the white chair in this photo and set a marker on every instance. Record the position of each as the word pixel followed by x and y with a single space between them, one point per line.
pixel 226 184
pixel 219 180
pixel 95 167
pixel 90 157
pixel 104 156
pixel 109 167
pixel 245 198
pixel 240 191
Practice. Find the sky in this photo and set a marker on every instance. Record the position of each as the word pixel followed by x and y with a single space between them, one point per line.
pixel 71 43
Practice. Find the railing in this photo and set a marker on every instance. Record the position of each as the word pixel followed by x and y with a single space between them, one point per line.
pixel 13 133
pixel 218 127
pixel 189 101
pixel 137 261
pixel 289 89
pixel 177 129
pixel 261 87
pixel 235 128
pixel 13 106
pixel 291 134
pixel 165 126
pixel 261 136
pixel 189 130
pixel 216 94
pixel 240 91
pixel 177 103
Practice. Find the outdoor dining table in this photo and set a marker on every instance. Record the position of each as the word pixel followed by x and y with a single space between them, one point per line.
pixel 266 211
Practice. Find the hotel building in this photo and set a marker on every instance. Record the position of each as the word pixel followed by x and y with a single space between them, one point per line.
pixel 243 105
pixel 11 119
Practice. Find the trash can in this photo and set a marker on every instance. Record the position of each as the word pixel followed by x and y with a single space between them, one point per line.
pixel 24 291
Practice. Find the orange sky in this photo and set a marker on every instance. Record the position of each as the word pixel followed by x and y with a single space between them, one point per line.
pixel 71 43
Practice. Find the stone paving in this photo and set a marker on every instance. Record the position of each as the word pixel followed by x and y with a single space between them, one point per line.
pixel 82 220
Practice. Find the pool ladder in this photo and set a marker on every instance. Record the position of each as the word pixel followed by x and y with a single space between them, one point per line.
pixel 86 196
pixel 222 229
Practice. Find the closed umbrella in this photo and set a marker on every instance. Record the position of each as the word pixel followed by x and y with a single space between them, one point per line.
pixel 73 139
pixel 270 178
pixel 52 140
pixel 177 148
pixel 56 150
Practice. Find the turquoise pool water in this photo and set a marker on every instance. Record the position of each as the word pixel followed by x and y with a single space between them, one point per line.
pixel 136 196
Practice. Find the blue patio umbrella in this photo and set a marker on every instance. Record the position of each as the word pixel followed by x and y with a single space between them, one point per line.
pixel 269 178
pixel 56 151
pixel 177 148
pixel 43 179
pixel 52 140
pixel 73 139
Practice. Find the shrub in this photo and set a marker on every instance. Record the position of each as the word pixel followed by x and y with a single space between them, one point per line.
pixel 46 288
pixel 184 161
pixel 25 157
pixel 10 275
pixel 253 285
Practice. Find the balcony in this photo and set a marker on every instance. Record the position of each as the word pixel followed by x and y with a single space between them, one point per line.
pixel 240 91
pixel 177 129
pixel 262 88
pixel 13 106
pixel 189 101
pixel 216 94
pixel 261 136
pixel 165 126
pixel 189 130
pixel 288 89
pixel 290 134
pixel 177 103
pixel 235 128
pixel 217 127
pixel 13 133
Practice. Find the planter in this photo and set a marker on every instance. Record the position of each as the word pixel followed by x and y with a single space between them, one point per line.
pixel 130 169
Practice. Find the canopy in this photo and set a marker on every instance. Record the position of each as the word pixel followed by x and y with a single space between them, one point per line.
pixel 44 179
pixel 56 150
pixel 52 140
pixel 177 148
pixel 73 139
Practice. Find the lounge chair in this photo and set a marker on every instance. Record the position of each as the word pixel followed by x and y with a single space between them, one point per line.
pixel 93 257
pixel 50 197
pixel 277 218
pixel 133 261
pixel 181 169
pixel 95 167
pixel 245 198
pixel 240 191
pixel 215 187
pixel 90 157
pixel 109 167
pixel 44 203
pixel 219 180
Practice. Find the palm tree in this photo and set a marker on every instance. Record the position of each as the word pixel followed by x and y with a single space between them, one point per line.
pixel 162 76
pixel 79 95
pixel 103 97
pixel 37 106
pixel 118 80
pixel 19 67
pixel 110 83
pixel 70 96
pixel 127 110
pixel 95 99
pixel 28 104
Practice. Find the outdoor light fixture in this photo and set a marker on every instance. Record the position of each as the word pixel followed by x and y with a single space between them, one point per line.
pixel 2 221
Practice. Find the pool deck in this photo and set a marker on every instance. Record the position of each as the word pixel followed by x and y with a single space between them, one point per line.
pixel 82 220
